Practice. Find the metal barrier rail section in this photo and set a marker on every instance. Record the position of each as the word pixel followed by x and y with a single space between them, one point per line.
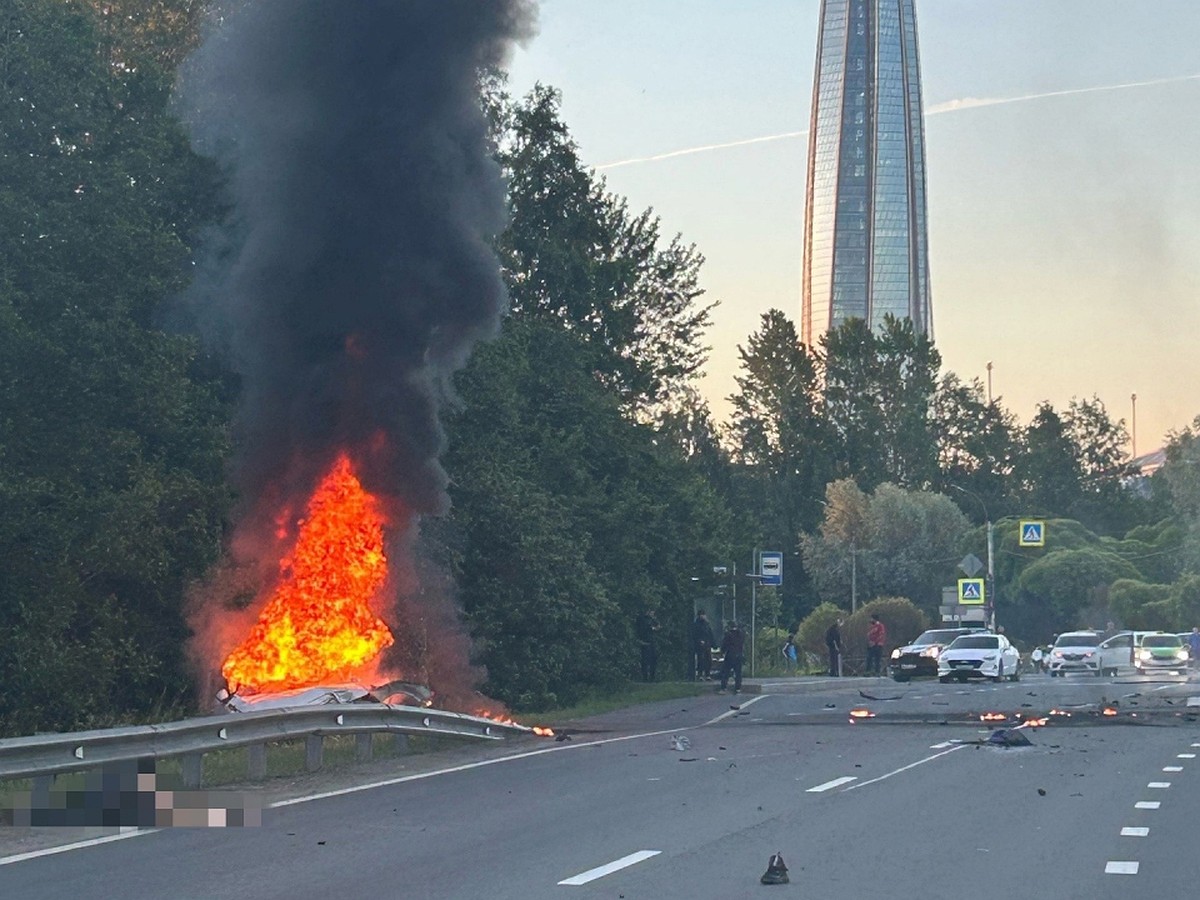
pixel 53 754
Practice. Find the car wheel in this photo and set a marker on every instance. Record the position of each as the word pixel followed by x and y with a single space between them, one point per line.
pixel 902 679
pixel 944 679
pixel 1015 676
pixel 999 676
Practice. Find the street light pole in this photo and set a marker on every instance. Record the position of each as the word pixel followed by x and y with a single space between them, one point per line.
pixel 991 571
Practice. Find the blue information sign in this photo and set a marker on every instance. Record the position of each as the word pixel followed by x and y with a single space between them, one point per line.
pixel 770 567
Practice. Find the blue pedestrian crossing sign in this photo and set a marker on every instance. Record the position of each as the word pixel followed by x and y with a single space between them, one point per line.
pixel 1033 533
pixel 970 592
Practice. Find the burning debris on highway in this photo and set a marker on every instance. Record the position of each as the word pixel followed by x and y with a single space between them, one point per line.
pixel 354 279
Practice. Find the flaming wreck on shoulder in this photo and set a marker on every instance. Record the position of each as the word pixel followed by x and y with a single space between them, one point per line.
pixel 393 693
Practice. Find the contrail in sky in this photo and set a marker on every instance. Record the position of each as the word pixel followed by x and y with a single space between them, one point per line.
pixel 936 109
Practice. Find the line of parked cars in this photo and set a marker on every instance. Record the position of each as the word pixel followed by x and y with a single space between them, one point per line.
pixel 960 654
pixel 1144 651
pixel 957 654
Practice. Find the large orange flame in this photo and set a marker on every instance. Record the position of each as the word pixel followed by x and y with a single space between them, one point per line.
pixel 317 627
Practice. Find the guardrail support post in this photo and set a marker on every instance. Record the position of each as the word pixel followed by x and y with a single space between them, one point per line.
pixel 401 744
pixel 256 761
pixel 314 752
pixel 193 770
pixel 42 786
pixel 364 747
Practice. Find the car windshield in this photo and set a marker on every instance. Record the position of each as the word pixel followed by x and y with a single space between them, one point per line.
pixel 936 637
pixel 976 642
pixel 1161 640
pixel 1078 640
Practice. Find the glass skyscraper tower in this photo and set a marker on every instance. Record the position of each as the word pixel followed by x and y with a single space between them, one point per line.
pixel 866 245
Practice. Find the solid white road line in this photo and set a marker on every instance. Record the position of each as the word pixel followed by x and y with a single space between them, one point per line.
pixel 942 746
pixel 905 768
pixel 608 868
pixel 1114 867
pixel 78 845
pixel 830 785
pixel 1134 831
pixel 1162 785
pixel 1147 804
pixel 733 712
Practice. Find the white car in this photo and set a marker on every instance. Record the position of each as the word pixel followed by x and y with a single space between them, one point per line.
pixel 979 656
pixel 1118 651
pixel 1076 651
pixel 1157 652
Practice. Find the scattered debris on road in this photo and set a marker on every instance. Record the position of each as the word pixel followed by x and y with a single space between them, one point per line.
pixel 777 870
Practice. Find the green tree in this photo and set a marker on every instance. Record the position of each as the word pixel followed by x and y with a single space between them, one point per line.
pixel 777 439
pixel 891 542
pixel 112 432
pixel 976 448
pixel 574 254
pixel 551 481
pixel 879 394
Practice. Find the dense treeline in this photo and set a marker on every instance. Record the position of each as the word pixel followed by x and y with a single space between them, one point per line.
pixel 589 480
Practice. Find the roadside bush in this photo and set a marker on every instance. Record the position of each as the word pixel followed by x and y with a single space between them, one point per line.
pixel 900 616
pixel 810 638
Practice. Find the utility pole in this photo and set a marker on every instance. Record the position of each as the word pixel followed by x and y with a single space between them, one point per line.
pixel 1133 427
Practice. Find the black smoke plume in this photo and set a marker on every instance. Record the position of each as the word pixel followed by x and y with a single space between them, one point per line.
pixel 355 273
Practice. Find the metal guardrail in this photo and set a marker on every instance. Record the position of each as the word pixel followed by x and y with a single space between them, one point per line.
pixel 54 754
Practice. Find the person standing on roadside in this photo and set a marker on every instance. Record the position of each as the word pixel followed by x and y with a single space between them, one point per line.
pixel 790 654
pixel 833 641
pixel 1194 646
pixel 876 638
pixel 647 629
pixel 734 647
pixel 702 644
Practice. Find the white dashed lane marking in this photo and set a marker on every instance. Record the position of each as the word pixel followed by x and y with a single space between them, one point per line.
pixel 1134 831
pixel 1185 756
pixel 1147 804
pixel 608 868
pixel 1161 785
pixel 830 785
pixel 1172 768
pixel 1117 867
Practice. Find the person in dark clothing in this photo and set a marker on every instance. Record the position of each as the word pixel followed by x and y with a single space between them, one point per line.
pixel 647 635
pixel 833 640
pixel 734 647
pixel 702 644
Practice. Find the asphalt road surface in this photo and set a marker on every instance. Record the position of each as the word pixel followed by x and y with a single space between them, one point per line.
pixel 690 798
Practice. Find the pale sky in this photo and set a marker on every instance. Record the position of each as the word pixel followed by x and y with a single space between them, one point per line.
pixel 1064 222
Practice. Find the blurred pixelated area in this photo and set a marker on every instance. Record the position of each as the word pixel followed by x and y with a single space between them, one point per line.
pixel 129 795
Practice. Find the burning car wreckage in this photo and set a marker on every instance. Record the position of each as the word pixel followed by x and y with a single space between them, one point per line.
pixel 393 693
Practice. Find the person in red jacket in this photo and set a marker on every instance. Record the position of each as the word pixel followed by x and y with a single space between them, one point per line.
pixel 876 638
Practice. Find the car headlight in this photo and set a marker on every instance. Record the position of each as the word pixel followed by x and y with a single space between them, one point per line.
pixel 1057 653
pixel 1088 655
pixel 931 651
pixel 896 653
pixel 1182 654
